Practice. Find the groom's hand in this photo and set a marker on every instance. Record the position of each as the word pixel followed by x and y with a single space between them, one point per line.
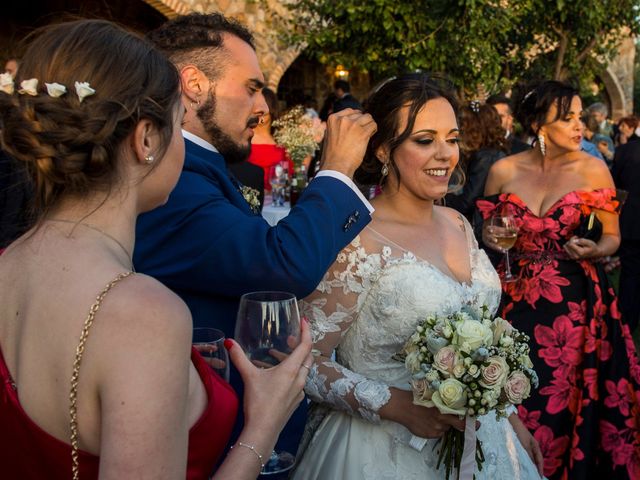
pixel 346 140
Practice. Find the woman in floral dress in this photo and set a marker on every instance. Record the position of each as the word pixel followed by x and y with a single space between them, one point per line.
pixel 586 413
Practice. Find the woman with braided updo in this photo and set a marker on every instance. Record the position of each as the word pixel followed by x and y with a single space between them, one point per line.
pixel 97 374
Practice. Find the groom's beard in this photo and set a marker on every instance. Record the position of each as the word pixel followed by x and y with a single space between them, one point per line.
pixel 231 151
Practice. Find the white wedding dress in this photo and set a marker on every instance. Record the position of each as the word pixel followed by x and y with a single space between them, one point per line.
pixel 363 311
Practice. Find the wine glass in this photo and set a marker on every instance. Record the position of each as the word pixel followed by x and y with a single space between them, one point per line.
pixel 268 323
pixel 504 231
pixel 278 181
pixel 210 343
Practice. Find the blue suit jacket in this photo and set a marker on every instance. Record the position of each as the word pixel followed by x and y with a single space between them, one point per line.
pixel 207 245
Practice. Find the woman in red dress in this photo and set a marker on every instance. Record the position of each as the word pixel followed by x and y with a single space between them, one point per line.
pixel 264 151
pixel 586 413
pixel 97 373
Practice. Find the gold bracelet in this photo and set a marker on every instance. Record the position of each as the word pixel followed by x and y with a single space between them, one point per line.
pixel 253 449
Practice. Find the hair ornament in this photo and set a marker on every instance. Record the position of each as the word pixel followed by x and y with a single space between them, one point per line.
pixel 83 89
pixel 475 106
pixel 55 90
pixel 524 99
pixel 29 87
pixel 6 83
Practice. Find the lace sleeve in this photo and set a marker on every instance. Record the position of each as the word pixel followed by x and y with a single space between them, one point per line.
pixel 332 310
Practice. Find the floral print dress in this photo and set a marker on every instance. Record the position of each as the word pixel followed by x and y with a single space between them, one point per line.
pixel 586 413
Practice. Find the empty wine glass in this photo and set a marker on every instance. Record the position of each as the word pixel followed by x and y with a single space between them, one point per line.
pixel 210 344
pixel 504 232
pixel 268 323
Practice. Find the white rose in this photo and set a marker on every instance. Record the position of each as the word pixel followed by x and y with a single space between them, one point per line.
pixel 6 83
pixel 495 373
pixel 445 359
pixel 55 89
pixel 29 87
pixel 500 327
pixel 517 387
pixel 83 89
pixel 473 334
pixel 451 397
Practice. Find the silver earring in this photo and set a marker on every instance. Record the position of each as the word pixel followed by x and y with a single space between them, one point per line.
pixel 149 159
pixel 385 169
pixel 194 104
pixel 543 148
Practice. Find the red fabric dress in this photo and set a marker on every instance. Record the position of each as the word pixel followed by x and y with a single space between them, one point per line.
pixel 266 156
pixel 586 412
pixel 27 452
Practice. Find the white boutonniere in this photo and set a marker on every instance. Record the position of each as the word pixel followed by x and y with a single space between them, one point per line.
pixel 251 196
pixel 55 89
pixel 6 83
pixel 83 89
pixel 29 87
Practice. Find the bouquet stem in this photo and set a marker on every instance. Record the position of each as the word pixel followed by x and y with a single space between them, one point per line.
pixel 451 448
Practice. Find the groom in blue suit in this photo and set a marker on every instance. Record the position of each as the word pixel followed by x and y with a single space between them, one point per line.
pixel 207 243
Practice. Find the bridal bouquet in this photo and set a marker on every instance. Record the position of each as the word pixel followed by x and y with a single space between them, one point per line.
pixel 468 366
pixel 295 132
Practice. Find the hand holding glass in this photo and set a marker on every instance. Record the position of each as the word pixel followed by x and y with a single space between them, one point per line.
pixel 503 232
pixel 210 343
pixel 268 329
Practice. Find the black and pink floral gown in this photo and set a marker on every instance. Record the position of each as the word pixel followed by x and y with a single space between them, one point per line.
pixel 586 412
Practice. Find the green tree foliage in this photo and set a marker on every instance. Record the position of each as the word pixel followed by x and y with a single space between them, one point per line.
pixel 488 43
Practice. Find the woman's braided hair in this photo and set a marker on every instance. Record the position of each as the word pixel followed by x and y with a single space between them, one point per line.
pixel 71 147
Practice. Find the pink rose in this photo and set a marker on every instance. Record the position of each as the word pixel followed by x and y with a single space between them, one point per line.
pixel 517 387
pixel 421 393
pixel 445 359
pixel 495 373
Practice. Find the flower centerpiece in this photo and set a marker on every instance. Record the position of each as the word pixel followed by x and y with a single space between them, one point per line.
pixel 295 132
pixel 468 364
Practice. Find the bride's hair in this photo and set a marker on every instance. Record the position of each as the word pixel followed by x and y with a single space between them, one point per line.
pixel 385 103
pixel 70 145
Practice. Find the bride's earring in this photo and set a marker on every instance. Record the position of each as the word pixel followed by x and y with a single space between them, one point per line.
pixel 543 148
pixel 385 169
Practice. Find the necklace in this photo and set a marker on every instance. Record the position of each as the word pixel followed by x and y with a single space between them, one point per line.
pixel 96 229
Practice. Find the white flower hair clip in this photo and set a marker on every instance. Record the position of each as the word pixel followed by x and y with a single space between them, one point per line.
pixel 83 89
pixel 6 83
pixel 29 87
pixel 55 89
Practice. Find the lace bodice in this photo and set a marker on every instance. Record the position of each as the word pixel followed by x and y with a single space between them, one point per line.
pixel 366 308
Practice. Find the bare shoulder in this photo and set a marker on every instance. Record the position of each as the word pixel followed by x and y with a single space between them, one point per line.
pixel 501 173
pixel 595 170
pixel 140 306
pixel 455 220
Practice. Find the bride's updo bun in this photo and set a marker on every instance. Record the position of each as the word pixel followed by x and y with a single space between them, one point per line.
pixel 70 145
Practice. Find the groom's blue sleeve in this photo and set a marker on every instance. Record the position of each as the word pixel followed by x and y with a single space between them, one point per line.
pixel 199 242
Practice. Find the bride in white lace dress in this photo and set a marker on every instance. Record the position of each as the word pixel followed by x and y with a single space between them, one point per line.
pixel 414 259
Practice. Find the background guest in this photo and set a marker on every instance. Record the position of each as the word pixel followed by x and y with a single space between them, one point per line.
pixel 561 298
pixel 344 99
pixel 627 129
pixel 483 143
pixel 264 151
pixel 502 104
pixel 626 175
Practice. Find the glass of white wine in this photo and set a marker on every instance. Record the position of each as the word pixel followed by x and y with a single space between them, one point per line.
pixel 504 232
